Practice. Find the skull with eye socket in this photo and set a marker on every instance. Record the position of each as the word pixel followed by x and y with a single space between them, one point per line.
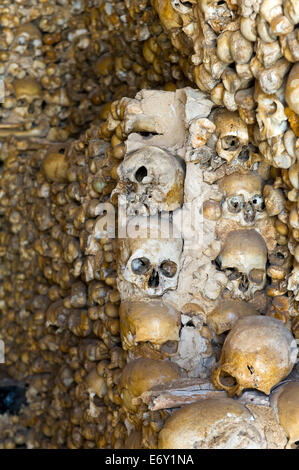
pixel 152 180
pixel 231 132
pixel 244 202
pixel 151 265
pixel 29 96
pixel 243 258
pixel 28 41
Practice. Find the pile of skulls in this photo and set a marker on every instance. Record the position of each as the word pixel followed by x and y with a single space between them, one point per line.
pixel 62 61
pixel 202 268
pixel 246 56
pixel 118 339
pixel 59 304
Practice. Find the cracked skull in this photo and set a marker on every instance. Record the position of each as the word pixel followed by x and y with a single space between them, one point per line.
pixel 153 264
pixel 213 423
pixel 141 375
pixel 244 200
pixel 258 353
pixel 243 258
pixel 152 180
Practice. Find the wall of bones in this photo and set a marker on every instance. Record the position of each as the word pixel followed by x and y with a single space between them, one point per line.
pixel 149 274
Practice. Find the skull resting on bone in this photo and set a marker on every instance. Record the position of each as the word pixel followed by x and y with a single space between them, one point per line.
pixel 213 423
pixel 152 181
pixel 150 264
pixel 244 201
pixel 258 352
pixel 243 257
pixel 141 375
pixel 149 320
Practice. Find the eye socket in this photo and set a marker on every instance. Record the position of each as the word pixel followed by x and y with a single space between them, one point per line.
pixel 140 265
pixel 279 256
pixel 230 143
pixel 233 274
pixel 235 204
pixel 21 103
pixel 140 174
pixel 256 276
pixel 258 202
pixel 168 268
pixel 170 347
pixel 277 259
pixel 182 6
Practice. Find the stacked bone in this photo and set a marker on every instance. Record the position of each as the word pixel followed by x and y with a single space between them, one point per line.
pixel 78 395
pixel 179 299
pixel 245 55
pixel 182 291
pixel 45 96
pixel 59 302
pixel 62 61
pixel 230 44
pixel 133 51
pixel 23 291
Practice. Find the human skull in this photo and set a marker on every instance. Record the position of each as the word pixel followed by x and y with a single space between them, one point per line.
pixel 258 353
pixel 213 423
pixel 285 403
pixel 29 96
pixel 141 375
pixel 231 132
pixel 152 181
pixel 244 257
pixel 149 320
pixel 150 264
pixel 28 40
pixel 270 116
pixel 244 200
pixel 227 312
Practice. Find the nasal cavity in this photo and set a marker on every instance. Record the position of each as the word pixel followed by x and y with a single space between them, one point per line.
pixel 154 279
pixel 244 284
pixel 140 174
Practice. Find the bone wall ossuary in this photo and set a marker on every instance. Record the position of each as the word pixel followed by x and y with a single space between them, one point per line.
pixel 154 108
